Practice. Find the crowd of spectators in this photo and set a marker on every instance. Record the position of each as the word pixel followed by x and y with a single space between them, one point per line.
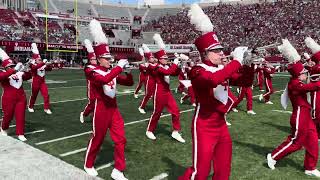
pixel 252 25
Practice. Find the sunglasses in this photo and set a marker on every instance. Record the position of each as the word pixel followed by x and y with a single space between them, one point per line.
pixel 216 50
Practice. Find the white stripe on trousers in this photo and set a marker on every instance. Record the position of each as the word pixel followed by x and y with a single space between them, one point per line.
pixel 195 152
pixel 269 90
pixel 154 106
pixel 295 135
pixel 314 105
pixel 138 82
pixel 93 133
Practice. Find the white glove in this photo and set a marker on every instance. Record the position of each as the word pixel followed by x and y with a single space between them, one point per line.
pixel 184 57
pixel 33 61
pixel 122 63
pixel 45 60
pixel 18 66
pixel 238 53
pixel 176 61
pixel 146 64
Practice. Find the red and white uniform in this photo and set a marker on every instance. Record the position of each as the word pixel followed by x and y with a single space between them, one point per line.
pixel 315 99
pixel 303 131
pixel 259 71
pixel 245 81
pixel 163 97
pixel 39 84
pixel 268 74
pixel 90 90
pixel 181 76
pixel 13 99
pixel 142 77
pixel 107 115
pixel 212 144
pixel 190 94
pixel 150 85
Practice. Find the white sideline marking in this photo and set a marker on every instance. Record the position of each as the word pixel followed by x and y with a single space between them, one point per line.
pixel 263 93
pixel 62 87
pixel 33 132
pixel 84 149
pixel 160 176
pixel 281 111
pixel 12 126
pixel 73 152
pixel 105 166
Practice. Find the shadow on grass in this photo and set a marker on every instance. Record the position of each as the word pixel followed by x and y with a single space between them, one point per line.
pixel 285 129
pixel 263 151
pixel 175 170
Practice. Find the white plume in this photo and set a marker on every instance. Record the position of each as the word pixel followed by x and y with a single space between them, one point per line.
pixel 199 19
pixel 184 57
pixel 141 52
pixel 145 48
pixel 306 55
pixel 34 48
pixel 311 44
pixel 289 51
pixel 157 38
pixel 3 55
pixel 88 46
pixel 97 33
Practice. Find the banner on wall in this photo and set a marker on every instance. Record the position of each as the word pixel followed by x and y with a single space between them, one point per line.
pixel 173 48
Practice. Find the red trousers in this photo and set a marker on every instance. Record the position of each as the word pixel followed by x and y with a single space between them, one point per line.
pixel 300 137
pixel 162 101
pixel 315 101
pixel 260 80
pixel 106 118
pixel 180 88
pixel 231 100
pixel 150 88
pixel 89 107
pixel 14 106
pixel 212 148
pixel 42 87
pixel 190 95
pixel 142 81
pixel 245 91
pixel 269 89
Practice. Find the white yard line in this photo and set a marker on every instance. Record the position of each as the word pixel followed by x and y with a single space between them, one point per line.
pixel 263 93
pixel 281 111
pixel 62 87
pixel 12 126
pixel 33 132
pixel 84 149
pixel 105 166
pixel 160 176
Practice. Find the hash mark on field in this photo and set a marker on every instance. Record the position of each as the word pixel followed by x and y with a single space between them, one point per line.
pixel 160 176
pixel 12 126
pixel 33 132
pixel 105 166
pixel 281 111
pixel 84 149
pixel 62 87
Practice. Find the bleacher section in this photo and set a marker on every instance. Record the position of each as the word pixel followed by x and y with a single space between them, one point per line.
pixel 156 13
pixel 112 11
pixel 137 12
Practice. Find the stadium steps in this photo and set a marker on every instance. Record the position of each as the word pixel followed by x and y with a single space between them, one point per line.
pixel 53 6
pixel 95 12
pixel 145 16
pixel 130 16
pixel 123 35
pixel 23 161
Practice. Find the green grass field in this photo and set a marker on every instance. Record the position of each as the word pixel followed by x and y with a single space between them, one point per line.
pixel 253 136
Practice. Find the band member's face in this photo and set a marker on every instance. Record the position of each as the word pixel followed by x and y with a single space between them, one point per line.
pixel 104 62
pixel 303 77
pixel 152 60
pixel 93 61
pixel 216 56
pixel 163 61
pixel 38 60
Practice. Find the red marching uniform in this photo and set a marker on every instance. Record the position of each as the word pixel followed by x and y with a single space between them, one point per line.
pixel 13 98
pixel 107 115
pixel 268 73
pixel 150 86
pixel 259 71
pixel 163 97
pixel 90 90
pixel 245 81
pixel 142 78
pixel 303 131
pixel 39 84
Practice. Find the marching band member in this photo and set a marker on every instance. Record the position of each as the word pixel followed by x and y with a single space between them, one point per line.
pixel 142 75
pixel 163 97
pixel 212 144
pixel 38 70
pixel 247 76
pixel 303 131
pixel 106 112
pixel 89 67
pixel 268 71
pixel 13 99
pixel 185 70
pixel 314 74
pixel 150 80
